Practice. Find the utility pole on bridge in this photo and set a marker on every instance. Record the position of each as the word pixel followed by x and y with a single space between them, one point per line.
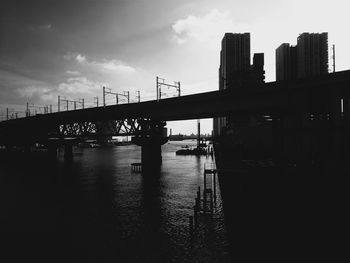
pixel 104 96
pixel 138 96
pixel 125 94
pixel 161 82
pixel 44 108
pixel 67 101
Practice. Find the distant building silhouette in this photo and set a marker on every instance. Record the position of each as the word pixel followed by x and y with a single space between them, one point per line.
pixel 235 69
pixel 234 59
pixel 286 62
pixel 257 69
pixel 308 58
pixel 312 54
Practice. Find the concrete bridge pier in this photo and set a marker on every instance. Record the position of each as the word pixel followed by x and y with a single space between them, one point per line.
pixel 151 138
pixel 68 149
pixel 52 146
pixel 151 151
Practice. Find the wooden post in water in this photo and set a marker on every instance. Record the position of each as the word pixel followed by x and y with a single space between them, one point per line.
pixel 211 203
pixel 214 186
pixel 197 204
pixel 205 191
pixel 198 133
pixel 191 225
pixel 205 180
pixel 195 216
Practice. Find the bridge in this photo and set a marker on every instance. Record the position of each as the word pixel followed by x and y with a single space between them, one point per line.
pixel 298 111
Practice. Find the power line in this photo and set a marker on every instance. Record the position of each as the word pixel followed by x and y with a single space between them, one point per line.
pixel 161 82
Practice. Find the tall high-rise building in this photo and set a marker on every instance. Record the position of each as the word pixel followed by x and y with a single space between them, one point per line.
pixel 234 59
pixel 257 70
pixel 286 62
pixel 312 49
pixel 308 58
pixel 235 69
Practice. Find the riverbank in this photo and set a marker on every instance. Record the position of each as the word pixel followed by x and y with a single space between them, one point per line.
pixel 279 212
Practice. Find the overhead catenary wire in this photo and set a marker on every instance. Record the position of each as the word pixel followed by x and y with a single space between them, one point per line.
pixel 64 103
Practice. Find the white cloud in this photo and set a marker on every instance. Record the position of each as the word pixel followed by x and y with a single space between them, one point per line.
pixel 72 72
pixel 105 65
pixel 79 85
pixel 34 93
pixel 115 65
pixel 30 91
pixel 69 56
pixel 48 97
pixel 75 85
pixel 80 58
pixel 207 29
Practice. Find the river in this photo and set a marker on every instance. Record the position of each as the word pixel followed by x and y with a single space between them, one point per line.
pixel 95 209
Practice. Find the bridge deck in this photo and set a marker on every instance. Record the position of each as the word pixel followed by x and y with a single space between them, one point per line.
pixel 314 95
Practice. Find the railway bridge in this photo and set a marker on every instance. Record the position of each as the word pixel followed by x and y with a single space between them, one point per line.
pixel 308 116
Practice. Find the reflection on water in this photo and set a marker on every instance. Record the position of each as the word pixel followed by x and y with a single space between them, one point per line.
pixel 95 209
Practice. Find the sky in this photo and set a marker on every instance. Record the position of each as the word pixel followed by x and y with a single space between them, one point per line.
pixel 73 48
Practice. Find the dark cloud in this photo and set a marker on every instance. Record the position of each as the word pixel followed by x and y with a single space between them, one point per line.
pixel 18 89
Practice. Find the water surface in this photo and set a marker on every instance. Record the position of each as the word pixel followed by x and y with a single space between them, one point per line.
pixel 95 209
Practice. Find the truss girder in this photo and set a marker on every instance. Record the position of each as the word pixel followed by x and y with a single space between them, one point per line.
pixel 124 127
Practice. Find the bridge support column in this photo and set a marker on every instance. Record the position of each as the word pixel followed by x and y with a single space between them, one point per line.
pixel 68 149
pixel 151 138
pixel 52 146
pixel 151 152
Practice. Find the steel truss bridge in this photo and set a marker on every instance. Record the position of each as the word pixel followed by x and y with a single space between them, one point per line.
pixel 125 127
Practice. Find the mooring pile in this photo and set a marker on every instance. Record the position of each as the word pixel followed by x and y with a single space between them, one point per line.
pixel 204 204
